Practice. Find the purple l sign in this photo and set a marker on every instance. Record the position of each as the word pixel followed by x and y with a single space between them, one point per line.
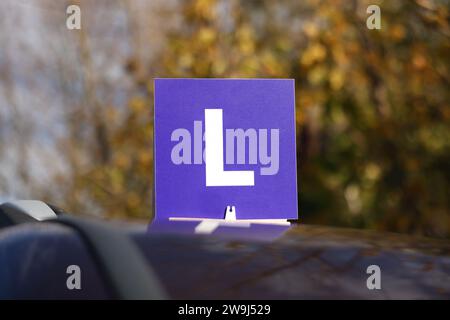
pixel 225 142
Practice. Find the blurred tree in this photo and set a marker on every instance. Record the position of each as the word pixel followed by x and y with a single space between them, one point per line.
pixel 372 106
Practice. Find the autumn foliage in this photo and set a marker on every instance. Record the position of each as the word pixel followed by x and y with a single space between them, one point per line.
pixel 372 107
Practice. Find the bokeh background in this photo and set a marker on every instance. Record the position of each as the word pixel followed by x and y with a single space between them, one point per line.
pixel 373 114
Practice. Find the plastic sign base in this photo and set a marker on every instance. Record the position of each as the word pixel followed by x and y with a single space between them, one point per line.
pixel 208 226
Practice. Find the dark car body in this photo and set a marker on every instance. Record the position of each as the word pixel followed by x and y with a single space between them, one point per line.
pixel 306 262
